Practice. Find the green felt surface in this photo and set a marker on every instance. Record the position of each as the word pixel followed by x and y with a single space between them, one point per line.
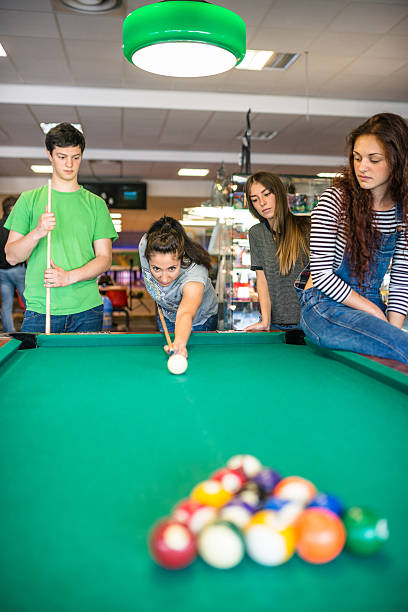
pixel 98 441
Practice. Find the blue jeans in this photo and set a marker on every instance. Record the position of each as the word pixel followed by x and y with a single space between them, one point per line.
pixel 209 325
pixel 333 325
pixel 13 278
pixel 86 321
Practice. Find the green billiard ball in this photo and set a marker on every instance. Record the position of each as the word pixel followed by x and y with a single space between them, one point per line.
pixel 366 531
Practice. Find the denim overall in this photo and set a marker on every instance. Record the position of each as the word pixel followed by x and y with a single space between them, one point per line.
pixel 334 325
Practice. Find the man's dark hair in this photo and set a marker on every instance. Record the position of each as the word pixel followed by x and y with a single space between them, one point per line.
pixel 8 204
pixel 64 135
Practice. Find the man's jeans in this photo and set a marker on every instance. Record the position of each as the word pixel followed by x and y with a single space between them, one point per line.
pixel 86 321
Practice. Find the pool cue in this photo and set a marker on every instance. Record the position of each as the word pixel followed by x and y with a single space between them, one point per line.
pixel 48 289
pixel 166 333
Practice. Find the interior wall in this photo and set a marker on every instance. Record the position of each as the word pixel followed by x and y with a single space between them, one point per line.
pixel 157 206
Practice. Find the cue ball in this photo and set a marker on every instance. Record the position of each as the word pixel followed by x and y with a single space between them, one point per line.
pixel 177 364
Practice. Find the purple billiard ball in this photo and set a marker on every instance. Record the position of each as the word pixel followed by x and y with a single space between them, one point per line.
pixel 267 480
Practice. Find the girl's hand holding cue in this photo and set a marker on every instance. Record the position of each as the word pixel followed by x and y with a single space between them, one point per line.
pixel 179 348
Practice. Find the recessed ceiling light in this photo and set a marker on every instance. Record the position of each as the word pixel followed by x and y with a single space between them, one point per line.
pixel 46 127
pixel 193 172
pixel 254 60
pixel 92 6
pixel 267 60
pixel 41 169
pixel 2 51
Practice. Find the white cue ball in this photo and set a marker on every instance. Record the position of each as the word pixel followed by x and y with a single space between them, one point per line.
pixel 177 364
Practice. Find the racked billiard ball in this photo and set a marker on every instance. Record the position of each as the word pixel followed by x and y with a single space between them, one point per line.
pixel 267 541
pixel 211 493
pixel 221 545
pixel 172 544
pixel 366 531
pixel 320 535
pixel 296 489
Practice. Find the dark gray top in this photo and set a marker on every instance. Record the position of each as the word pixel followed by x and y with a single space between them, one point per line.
pixel 284 300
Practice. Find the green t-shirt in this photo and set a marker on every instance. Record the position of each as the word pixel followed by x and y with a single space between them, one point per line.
pixel 81 218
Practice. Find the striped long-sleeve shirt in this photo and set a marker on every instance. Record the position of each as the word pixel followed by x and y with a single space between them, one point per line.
pixel 328 242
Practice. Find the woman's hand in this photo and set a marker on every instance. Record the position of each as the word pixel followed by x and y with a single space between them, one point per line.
pixel 260 326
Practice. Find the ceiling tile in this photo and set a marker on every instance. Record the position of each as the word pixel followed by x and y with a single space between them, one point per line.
pixel 28 23
pixel 310 15
pixel 368 17
pixel 389 47
pixel 89 27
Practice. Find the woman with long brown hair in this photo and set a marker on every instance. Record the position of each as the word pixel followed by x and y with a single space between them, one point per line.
pixel 359 227
pixel 279 247
pixel 175 271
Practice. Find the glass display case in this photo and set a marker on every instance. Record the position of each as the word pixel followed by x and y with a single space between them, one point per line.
pixel 228 243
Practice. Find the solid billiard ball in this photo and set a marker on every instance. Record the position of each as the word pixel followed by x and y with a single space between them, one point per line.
pixel 248 464
pixel 267 542
pixel 194 515
pixel 221 545
pixel 295 488
pixel 211 493
pixel 177 364
pixel 320 535
pixel 267 479
pixel 231 480
pixel 172 545
pixel 330 502
pixel 366 531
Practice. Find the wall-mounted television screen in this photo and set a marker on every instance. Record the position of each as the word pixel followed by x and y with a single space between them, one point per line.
pixel 119 195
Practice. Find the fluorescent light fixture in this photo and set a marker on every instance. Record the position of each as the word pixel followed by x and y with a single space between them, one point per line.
pixel 186 38
pixel 116 215
pixel 327 174
pixel 41 169
pixel 2 51
pixel 254 60
pixel 46 127
pixel 193 172
pixel 198 222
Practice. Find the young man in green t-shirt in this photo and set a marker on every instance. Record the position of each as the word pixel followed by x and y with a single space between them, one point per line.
pixel 81 242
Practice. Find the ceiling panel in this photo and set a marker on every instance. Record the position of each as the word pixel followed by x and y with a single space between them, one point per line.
pixel 183 127
pixel 365 17
pixel 102 126
pixel 90 27
pixel 357 50
pixel 310 15
pixel 28 23
pixel 142 124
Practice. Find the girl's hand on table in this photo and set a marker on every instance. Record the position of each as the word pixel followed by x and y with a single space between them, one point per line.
pixel 260 326
pixel 179 348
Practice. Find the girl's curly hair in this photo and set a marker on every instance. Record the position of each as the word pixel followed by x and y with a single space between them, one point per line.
pixel 357 213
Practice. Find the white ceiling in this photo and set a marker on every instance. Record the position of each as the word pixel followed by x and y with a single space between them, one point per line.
pixel 68 66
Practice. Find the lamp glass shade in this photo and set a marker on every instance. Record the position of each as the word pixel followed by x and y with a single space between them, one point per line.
pixel 184 38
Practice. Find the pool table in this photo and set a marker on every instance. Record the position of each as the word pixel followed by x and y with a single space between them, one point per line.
pixel 99 441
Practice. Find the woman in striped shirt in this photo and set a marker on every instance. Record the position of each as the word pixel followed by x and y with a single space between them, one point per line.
pixel 359 227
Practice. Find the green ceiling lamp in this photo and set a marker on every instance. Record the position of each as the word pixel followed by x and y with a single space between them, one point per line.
pixel 184 38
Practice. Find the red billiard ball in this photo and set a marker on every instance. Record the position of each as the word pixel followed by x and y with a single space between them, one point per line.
pixel 172 544
pixel 194 515
pixel 231 480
